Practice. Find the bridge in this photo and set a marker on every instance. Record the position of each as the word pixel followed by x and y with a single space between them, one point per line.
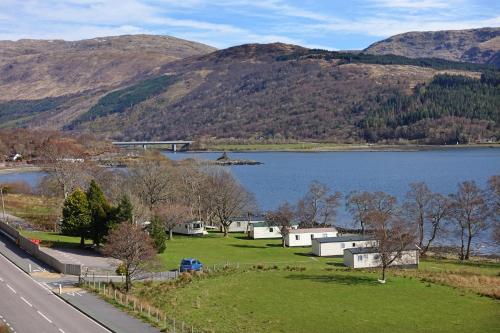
pixel 176 145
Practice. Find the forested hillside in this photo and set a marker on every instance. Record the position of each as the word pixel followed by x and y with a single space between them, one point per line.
pixel 270 93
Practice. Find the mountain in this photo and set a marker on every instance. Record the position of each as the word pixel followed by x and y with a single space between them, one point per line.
pixel 473 45
pixel 282 92
pixel 260 92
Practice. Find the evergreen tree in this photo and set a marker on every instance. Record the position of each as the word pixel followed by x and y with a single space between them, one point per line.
pixel 158 234
pixel 100 212
pixel 124 211
pixel 76 219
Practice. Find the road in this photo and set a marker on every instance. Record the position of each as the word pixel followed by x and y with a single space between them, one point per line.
pixel 29 306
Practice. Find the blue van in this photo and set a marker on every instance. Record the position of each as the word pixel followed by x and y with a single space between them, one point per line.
pixel 190 264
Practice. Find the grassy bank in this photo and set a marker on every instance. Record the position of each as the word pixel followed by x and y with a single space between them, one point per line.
pixel 54 239
pixel 41 212
pixel 287 290
pixel 315 146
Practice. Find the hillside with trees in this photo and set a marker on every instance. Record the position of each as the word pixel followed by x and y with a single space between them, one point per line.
pixel 268 93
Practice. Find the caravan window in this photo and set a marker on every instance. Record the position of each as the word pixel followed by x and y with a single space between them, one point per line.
pixel 360 258
pixel 238 224
pixel 297 237
pixel 196 225
pixel 342 245
pixel 270 229
pixel 353 244
pixel 186 226
pixel 312 236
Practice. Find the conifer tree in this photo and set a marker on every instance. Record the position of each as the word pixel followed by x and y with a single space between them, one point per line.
pixel 76 219
pixel 100 212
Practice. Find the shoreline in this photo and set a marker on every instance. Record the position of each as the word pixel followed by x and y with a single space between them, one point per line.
pixel 20 169
pixel 320 147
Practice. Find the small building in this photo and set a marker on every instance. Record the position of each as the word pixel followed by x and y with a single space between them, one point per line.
pixel 304 237
pixel 262 230
pixel 196 228
pixel 367 257
pixel 335 246
pixel 242 224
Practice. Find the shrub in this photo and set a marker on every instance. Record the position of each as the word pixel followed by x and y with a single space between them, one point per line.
pixel 121 269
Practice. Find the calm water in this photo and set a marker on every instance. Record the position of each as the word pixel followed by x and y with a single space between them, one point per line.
pixel 287 175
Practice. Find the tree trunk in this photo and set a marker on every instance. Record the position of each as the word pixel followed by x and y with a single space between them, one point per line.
pixel 469 239
pixel 283 241
pixel 170 234
pixel 462 257
pixel 82 242
pixel 128 282
pixel 362 228
pixel 426 248
pixel 383 272
pixel 225 230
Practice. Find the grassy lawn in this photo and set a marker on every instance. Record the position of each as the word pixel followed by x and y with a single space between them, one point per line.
pixel 322 296
pixel 324 301
pixel 53 239
pixel 215 249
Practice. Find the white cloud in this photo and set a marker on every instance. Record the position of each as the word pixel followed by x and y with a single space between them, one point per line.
pixel 414 4
pixel 385 27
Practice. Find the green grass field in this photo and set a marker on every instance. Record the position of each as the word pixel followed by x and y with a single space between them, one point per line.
pixel 50 239
pixel 322 297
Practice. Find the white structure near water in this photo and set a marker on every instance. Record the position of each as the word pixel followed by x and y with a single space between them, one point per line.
pixel 242 224
pixel 196 228
pixel 263 230
pixel 367 257
pixel 335 246
pixel 304 237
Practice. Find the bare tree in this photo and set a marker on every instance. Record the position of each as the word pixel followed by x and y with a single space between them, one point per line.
pixel 437 214
pixel 393 235
pixel 470 212
pixel 416 207
pixel 132 245
pixel 493 192
pixel 318 206
pixel 191 189
pixel 282 218
pixel 152 180
pixel 359 204
pixel 226 197
pixel 172 215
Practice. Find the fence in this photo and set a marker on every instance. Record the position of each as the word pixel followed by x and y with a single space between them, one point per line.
pixel 34 249
pixel 141 308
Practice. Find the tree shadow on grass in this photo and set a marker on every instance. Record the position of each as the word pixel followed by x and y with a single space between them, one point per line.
pixel 336 264
pixel 335 278
pixel 249 246
pixel 303 254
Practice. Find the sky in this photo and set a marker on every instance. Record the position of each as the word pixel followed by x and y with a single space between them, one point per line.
pixel 326 24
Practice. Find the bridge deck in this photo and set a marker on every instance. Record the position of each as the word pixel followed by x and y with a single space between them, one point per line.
pixel 141 143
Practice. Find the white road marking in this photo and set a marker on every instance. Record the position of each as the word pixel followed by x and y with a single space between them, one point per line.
pixel 25 301
pixel 44 316
pixel 56 297
pixel 13 290
pixel 1 280
pixel 60 330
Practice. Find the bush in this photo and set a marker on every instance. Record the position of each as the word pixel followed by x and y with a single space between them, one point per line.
pixel 121 269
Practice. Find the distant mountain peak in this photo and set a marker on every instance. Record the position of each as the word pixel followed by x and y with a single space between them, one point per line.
pixel 470 45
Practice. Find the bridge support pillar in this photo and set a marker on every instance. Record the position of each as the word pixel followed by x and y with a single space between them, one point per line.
pixel 174 147
pixel 144 147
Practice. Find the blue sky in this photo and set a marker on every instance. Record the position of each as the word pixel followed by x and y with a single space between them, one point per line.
pixel 328 24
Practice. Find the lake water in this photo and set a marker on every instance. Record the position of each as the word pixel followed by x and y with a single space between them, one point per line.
pixel 287 175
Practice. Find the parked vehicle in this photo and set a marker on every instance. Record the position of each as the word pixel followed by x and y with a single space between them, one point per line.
pixel 190 264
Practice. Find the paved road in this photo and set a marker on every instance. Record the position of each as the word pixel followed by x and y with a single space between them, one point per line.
pixel 29 306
